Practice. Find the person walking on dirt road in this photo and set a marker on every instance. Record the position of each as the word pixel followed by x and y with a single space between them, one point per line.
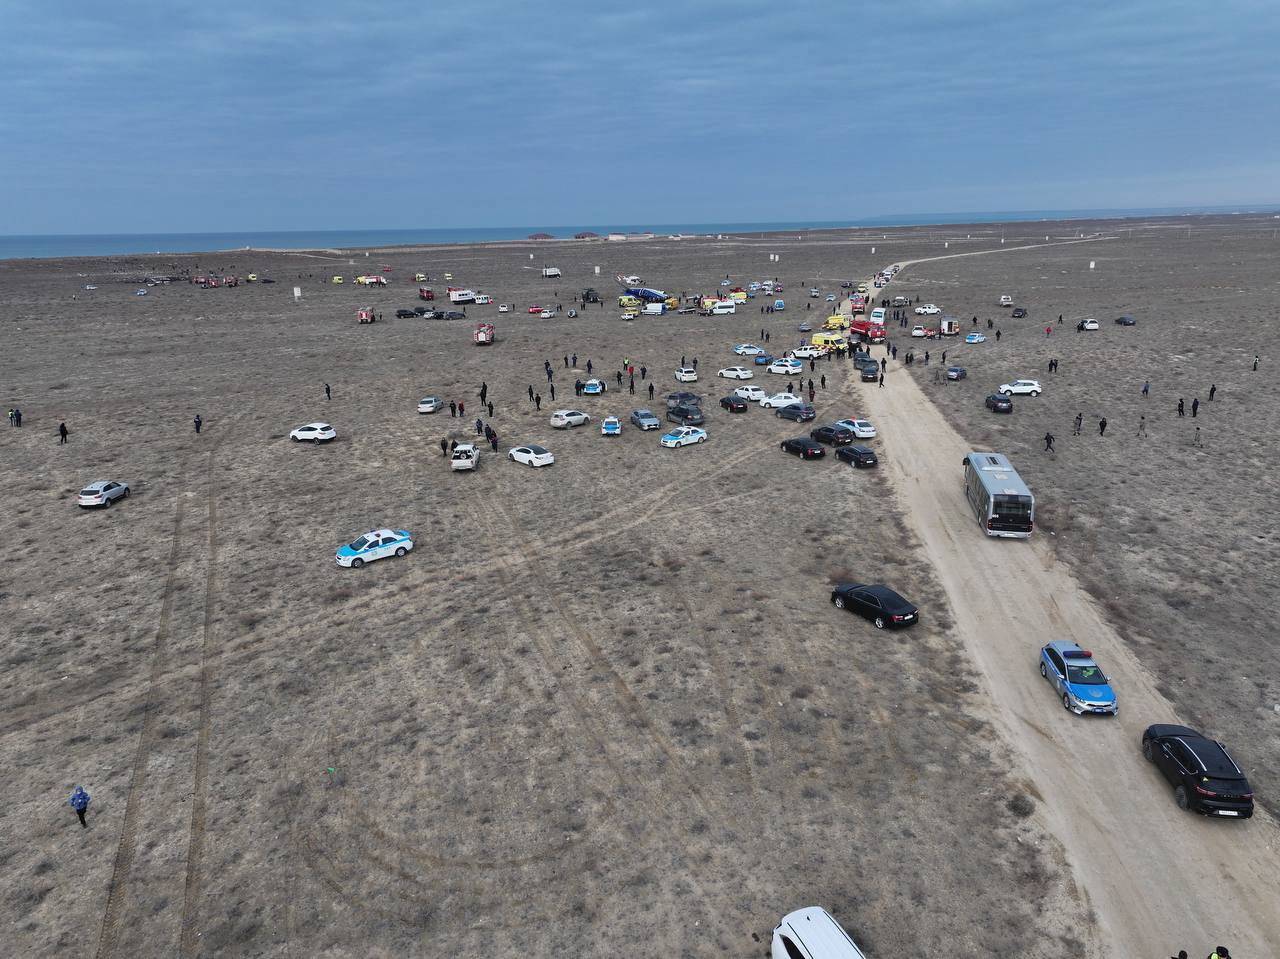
pixel 453 410
pixel 1079 423
pixel 62 433
pixel 1048 443
pixel 882 379
pixel 199 423
pixel 537 401
pixel 444 447
pixel 651 391
pixel 530 392
pixel 1102 426
pixel 79 801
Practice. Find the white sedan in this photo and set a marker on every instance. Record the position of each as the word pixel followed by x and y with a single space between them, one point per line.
pixel 1090 324
pixel 504 307
pixel 747 349
pixel 686 374
pixel 752 394
pixel 429 404
pixel 928 309
pixel 786 367
pixel 531 455
pixel 563 419
pixel 779 400
pixel 314 433
pixel 862 429
pixel 547 314
pixel 1021 387
pixel 736 373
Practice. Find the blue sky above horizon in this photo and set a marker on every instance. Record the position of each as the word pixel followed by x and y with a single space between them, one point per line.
pixel 138 118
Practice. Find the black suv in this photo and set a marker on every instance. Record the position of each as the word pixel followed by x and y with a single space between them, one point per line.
pixel 800 412
pixel 806 449
pixel 999 403
pixel 1019 312
pixel 406 315
pixel 835 435
pixel 683 399
pixel 870 374
pixel 1205 778
pixel 859 456
pixel 686 415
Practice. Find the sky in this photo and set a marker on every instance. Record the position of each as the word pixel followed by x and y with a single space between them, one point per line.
pixel 139 117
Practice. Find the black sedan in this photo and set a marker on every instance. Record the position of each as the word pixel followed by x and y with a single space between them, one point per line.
pixel 406 315
pixel 734 403
pixel 1019 312
pixel 1126 320
pixel 870 374
pixel 800 412
pixel 1204 777
pixel 877 603
pixel 804 448
pixel 859 456
pixel 421 310
pixel 833 435
pixel 999 403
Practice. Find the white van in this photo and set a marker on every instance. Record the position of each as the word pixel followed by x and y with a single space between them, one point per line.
pixel 724 307
pixel 812 933
pixel 1006 299
pixel 877 315
pixel 655 309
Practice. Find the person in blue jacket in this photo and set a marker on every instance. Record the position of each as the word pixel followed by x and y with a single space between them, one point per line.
pixel 79 801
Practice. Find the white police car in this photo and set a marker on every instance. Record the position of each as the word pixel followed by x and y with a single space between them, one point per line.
pixel 594 387
pixel 684 436
pixel 379 544
pixel 610 426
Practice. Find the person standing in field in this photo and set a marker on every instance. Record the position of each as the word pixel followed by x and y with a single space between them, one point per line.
pixel 530 392
pixel 1079 423
pixel 1195 407
pixel 79 801
pixel 490 408
pixel 328 393
pixel 453 409
pixel 444 447
pixel 1102 426
pixel 553 392
pixel 1182 410
pixel 198 423
pixel 651 391
pixel 1213 388
pixel 62 433
pixel 1195 440
pixel 1048 443
pixel 1255 362
pixel 537 401
pixel 1146 388
pixel 1142 425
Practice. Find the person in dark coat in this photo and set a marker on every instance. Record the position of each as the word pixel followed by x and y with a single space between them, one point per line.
pixel 79 801
pixel 199 423
pixel 62 432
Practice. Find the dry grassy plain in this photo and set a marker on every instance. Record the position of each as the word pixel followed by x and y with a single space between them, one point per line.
pixel 603 708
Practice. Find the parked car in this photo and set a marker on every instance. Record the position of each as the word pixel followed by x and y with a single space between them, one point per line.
pixel 464 456
pixel 956 372
pixel 804 328
pixel 1077 679
pixel 531 455
pixel 812 934
pixel 734 403
pixel 764 359
pixel 313 433
pixel 753 394
pixel 378 544
pixel 594 387
pixel 1126 320
pixel 875 602
pixel 917 332
pixel 683 398
pixel 747 349
pixel 862 429
pixel 859 456
pixel 429 404
pixel 1019 312
pixel 406 315
pixel 1021 387
pixel 779 399
pixel 453 315
pixel 799 412
pixel 610 426
pixel 736 373
pixel 786 367
pixel 999 403
pixel 102 493
pixel 833 434
pixel 803 447
pixel 1089 324
pixel 929 309
pixel 1006 299
pixel 684 436
pixel 1204 777
pixel 869 373
pixel 563 419
pixel 645 420
pixel 686 374
pixel 806 352
pixel 686 415
pixel 504 307
pixel 975 337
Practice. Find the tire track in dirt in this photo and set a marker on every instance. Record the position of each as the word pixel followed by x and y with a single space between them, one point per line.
pixel 189 943
pixel 118 890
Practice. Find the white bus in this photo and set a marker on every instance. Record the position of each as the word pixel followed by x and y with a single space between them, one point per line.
pixel 1000 500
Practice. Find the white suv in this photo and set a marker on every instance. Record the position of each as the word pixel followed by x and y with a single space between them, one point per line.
pixel 563 419
pixel 1021 387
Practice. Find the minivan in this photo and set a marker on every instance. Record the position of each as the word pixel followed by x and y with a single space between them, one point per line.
pixel 812 933
pixel 877 315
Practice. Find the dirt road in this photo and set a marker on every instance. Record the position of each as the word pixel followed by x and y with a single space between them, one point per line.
pixel 1156 877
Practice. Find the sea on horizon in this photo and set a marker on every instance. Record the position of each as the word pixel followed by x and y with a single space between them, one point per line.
pixel 47 246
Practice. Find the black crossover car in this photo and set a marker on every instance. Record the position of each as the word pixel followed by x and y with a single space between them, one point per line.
pixel 1205 778
pixel 453 315
pixel 1019 312
pixel 999 403
pixel 406 315
pixel 859 456
pixel 833 434
pixel 1126 320
pixel 800 412
pixel 870 374
pixel 734 403
pixel 877 603
pixel 686 415
pixel 804 448
pixel 683 398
